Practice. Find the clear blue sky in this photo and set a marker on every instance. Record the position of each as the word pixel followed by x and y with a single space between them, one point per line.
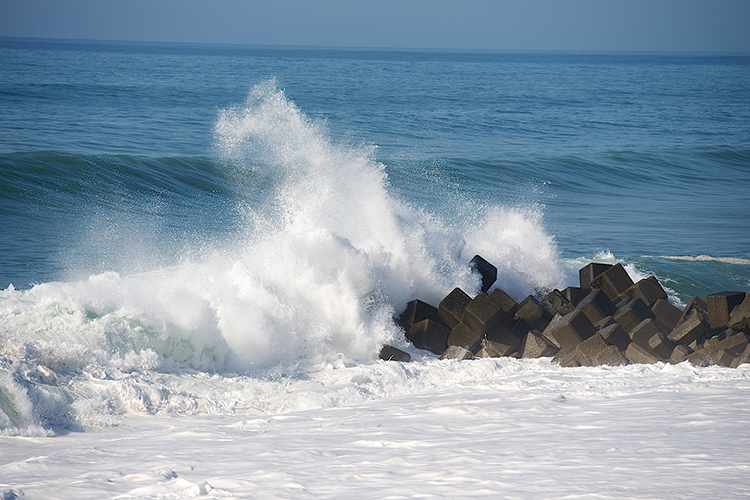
pixel 600 25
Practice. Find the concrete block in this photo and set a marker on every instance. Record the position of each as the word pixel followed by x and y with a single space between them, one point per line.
pixel 390 353
pixel 661 345
pixel 429 334
pixel 416 311
pixel 695 304
pixel 575 294
pixel 520 327
pixel 638 354
pixel 597 306
pixel 703 357
pixel 501 345
pixel 615 335
pixel 586 350
pixel 649 290
pixel 505 301
pixel 463 336
pixel 566 359
pixel 632 313
pixel 551 326
pixel 723 357
pixel 643 331
pixel 679 354
pixel 457 352
pixel 742 358
pixel 481 314
pixel 537 346
pixel 690 330
pixel 605 322
pixel 572 329
pixel 611 356
pixel 487 271
pixel 530 310
pixel 739 319
pixel 503 340
pixel 666 315
pixel 587 274
pixel 613 281
pixel 735 343
pixel 556 303
pixel 720 306
pixel 451 308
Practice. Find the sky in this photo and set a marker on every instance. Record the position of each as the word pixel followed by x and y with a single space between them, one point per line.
pixel 584 25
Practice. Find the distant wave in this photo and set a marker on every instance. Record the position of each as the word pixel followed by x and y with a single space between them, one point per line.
pixel 727 260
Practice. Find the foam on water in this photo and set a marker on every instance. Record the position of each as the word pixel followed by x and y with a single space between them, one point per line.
pixel 328 258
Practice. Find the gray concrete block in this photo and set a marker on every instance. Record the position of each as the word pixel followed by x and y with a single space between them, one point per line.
pixel 575 294
pixel 588 349
pixel 649 290
pixel 613 281
pixel 572 329
pixel 661 345
pixel 666 315
pixel 498 347
pixel 679 354
pixel 530 310
pixel 587 274
pixel 551 326
pixel 537 346
pixel 703 357
pixel 429 334
pixel 463 336
pixel 390 353
pixel 734 343
pixel 487 271
pixel 695 304
pixel 632 313
pixel 690 330
pixel 597 306
pixel 566 359
pixel 503 340
pixel 724 357
pixel 611 356
pixel 556 303
pixel 416 311
pixel 481 314
pixel 740 317
pixel 743 358
pixel 604 323
pixel 643 331
pixel 505 301
pixel 615 335
pixel 457 352
pixel 451 308
pixel 638 354
pixel 720 306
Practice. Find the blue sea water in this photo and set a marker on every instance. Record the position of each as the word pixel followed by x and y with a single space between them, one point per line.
pixel 175 208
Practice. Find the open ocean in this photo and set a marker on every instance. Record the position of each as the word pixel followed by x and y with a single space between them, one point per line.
pixel 197 230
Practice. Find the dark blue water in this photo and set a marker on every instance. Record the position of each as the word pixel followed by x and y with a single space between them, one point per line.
pixel 632 154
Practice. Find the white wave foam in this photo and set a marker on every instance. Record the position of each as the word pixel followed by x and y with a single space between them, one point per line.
pixel 329 257
pixel 706 258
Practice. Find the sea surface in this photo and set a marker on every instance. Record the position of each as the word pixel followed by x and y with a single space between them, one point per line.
pixel 210 229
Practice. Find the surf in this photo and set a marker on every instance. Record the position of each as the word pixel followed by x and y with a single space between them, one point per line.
pixel 327 257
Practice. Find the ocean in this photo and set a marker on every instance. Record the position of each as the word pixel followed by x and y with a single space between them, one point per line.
pixel 217 234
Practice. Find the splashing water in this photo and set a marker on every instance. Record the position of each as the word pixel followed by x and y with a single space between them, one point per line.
pixel 328 258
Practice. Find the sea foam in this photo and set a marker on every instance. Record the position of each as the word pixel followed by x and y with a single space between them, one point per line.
pixel 327 259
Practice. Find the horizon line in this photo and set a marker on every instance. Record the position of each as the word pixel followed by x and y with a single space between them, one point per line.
pixel 356 47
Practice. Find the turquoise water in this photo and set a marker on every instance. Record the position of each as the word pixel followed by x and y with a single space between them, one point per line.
pixel 632 154
pixel 173 217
